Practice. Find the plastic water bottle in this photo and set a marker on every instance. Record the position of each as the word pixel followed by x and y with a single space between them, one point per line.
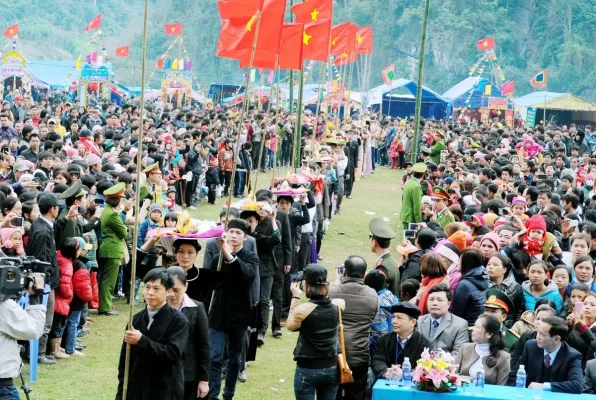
pixel 520 381
pixel 480 377
pixel 406 369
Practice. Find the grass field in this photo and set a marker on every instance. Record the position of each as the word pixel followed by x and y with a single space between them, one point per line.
pixel 94 377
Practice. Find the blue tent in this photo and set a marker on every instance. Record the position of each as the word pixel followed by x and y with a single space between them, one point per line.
pixel 53 72
pixel 404 105
pixel 472 91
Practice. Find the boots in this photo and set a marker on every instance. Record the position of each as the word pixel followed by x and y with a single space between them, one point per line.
pixel 57 352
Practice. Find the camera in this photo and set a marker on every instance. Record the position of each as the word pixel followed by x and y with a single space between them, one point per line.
pixel 17 272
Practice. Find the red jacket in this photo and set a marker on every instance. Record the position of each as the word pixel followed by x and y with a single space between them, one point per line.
pixel 225 160
pixel 64 292
pixel 81 283
pixel 94 303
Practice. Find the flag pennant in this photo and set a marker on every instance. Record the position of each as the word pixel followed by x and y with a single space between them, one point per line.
pixel 486 44
pixel 11 31
pixel 173 29
pixel 79 63
pixel 364 40
pixel 343 38
pixel 240 21
pixel 94 24
pixel 540 80
pixel 388 74
pixel 508 88
pixel 313 10
pixel 488 90
pixel 122 51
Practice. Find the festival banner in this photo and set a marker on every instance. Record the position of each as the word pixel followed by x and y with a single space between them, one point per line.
pixel 530 117
pixel 497 104
pixel 509 118
pixel 484 115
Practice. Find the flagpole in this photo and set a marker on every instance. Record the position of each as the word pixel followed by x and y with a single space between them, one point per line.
pixel 349 96
pixel 137 208
pixel 276 120
pixel 360 71
pixel 419 88
pixel 291 71
pixel 237 149
pixel 544 109
pixel 298 133
pixel 321 75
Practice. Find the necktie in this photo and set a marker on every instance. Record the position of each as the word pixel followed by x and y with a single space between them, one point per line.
pixel 547 361
pixel 433 328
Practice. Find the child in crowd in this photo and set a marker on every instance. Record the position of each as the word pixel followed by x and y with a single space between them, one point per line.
pixel 408 289
pixel 165 246
pixel 212 179
pixel 393 153
pixel 382 322
pixel 579 292
pixel 12 242
pixel 153 222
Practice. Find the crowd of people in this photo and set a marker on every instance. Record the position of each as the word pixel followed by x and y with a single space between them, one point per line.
pixel 496 266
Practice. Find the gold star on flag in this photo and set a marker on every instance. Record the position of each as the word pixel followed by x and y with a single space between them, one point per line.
pixel 345 55
pixel 250 22
pixel 11 30
pixel 314 14
pixel 359 39
pixel 306 38
pixel 485 44
pixel 334 42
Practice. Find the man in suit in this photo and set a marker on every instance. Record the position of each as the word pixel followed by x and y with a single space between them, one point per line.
pixel 404 341
pixel 442 329
pixel 590 378
pixel 411 205
pixel 551 363
pixel 381 235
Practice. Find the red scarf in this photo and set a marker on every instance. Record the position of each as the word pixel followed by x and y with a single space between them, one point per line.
pixel 428 283
pixel 531 247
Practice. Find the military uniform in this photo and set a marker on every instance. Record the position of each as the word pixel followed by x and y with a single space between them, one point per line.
pixel 111 251
pixel 435 150
pixel 386 263
pixel 444 216
pixel 145 190
pixel 67 228
pixel 497 299
pixel 411 206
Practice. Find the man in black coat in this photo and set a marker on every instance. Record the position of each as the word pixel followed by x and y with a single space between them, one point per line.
pixel 231 312
pixel 551 363
pixel 42 246
pixel 404 341
pixel 351 150
pixel 158 340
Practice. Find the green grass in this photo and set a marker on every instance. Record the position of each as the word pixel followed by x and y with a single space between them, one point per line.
pixel 94 377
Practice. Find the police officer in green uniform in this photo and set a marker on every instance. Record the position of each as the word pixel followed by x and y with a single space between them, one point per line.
pixel 380 240
pixel 111 251
pixel 68 223
pixel 442 214
pixel 499 305
pixel 435 150
pixel 153 174
pixel 425 154
pixel 411 205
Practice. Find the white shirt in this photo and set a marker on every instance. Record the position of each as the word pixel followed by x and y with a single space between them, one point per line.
pixel 483 350
pixel 48 221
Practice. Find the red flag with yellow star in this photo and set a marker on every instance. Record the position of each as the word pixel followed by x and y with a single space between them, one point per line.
pixel 122 51
pixel 315 40
pixel 173 29
pixel 11 31
pixel 94 24
pixel 486 44
pixel 364 40
pixel 240 23
pixel 343 38
pixel 346 58
pixel 290 51
pixel 313 10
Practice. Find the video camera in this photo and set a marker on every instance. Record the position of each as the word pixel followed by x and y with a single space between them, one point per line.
pixel 17 272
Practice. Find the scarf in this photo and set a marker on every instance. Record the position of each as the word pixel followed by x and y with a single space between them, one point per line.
pixel 531 247
pixel 427 283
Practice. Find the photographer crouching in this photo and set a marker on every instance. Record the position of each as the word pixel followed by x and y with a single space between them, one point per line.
pixel 16 323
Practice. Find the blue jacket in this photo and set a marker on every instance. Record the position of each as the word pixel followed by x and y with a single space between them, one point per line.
pixel 470 295
pixel 551 292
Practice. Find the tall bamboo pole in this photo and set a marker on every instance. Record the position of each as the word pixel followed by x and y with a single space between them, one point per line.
pixel 298 133
pixel 133 271
pixel 321 77
pixel 237 149
pixel 419 88
pixel 276 120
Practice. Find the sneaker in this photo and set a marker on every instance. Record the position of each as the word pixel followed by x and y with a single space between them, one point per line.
pixel 44 360
pixel 192 207
pixel 81 335
pixel 319 258
pixel 242 377
pixel 77 353
pixel 260 339
pixel 277 333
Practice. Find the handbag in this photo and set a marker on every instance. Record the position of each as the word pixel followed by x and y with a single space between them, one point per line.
pixel 345 373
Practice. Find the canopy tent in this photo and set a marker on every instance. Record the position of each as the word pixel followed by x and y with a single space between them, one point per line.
pixel 472 91
pixel 561 108
pixel 403 104
pixel 54 72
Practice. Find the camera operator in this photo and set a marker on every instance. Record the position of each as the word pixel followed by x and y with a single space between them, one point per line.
pixel 17 324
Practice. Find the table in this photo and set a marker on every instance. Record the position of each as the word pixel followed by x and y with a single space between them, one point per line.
pixel 382 391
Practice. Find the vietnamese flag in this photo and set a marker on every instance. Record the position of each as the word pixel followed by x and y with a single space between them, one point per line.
pixel 315 41
pixel 173 29
pixel 122 51
pixel 364 40
pixel 94 24
pixel 346 58
pixel 11 31
pixel 343 38
pixel 290 51
pixel 486 44
pixel 241 21
pixel 508 87
pixel 313 10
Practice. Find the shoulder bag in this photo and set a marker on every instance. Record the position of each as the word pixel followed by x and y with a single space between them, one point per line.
pixel 345 373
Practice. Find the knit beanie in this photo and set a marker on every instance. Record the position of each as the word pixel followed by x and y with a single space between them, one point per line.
pixel 5 234
pixel 449 251
pixel 519 201
pixel 536 222
pixel 459 239
pixel 493 238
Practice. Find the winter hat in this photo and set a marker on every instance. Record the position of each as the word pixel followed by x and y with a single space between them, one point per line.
pixel 448 250
pixel 459 239
pixel 535 223
pixel 155 207
pixel 519 201
pixel 490 219
pixel 83 244
pixel 493 238
pixel 590 177
pixel 5 234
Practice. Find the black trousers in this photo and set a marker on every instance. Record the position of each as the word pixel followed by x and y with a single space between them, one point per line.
pixel 227 179
pixel 277 294
pixel 191 187
pixel 255 152
pixel 304 254
pixel 356 390
pixel 349 183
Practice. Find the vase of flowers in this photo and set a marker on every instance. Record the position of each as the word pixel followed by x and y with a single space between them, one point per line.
pixel 435 372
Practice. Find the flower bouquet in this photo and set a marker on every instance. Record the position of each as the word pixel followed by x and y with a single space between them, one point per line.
pixel 435 372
